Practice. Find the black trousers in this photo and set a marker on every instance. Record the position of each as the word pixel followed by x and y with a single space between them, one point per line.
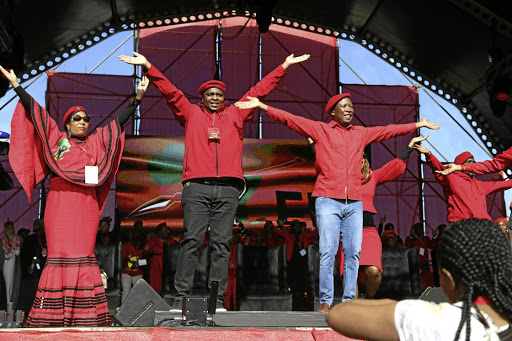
pixel 206 206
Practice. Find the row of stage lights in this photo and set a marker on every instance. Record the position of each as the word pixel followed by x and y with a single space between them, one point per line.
pixel 369 41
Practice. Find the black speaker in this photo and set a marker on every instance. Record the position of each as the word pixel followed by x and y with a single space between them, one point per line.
pixel 138 310
pixel 435 295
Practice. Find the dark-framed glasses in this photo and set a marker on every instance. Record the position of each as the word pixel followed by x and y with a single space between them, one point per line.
pixel 78 118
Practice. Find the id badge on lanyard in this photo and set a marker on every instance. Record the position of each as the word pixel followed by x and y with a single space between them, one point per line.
pixel 91 175
pixel 213 132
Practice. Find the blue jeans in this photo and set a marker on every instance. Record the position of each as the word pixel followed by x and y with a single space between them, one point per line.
pixel 335 217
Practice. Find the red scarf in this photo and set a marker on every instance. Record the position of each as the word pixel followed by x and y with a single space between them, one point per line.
pixel 10 246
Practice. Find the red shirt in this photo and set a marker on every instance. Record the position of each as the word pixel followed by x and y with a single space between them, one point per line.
pixel 339 151
pixel 130 251
pixel 464 194
pixel 389 172
pixel 206 158
pixel 500 162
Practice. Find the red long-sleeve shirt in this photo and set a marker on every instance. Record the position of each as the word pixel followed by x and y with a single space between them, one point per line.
pixel 464 194
pixel 500 162
pixel 209 158
pixel 339 151
pixel 389 172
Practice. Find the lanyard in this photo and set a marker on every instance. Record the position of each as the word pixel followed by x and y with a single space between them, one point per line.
pixel 105 240
pixel 85 151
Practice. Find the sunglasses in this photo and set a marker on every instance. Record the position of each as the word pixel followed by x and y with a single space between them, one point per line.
pixel 78 118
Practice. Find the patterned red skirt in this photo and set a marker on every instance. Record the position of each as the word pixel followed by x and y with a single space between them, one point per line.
pixel 70 290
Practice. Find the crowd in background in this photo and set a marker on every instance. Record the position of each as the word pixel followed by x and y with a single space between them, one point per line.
pixel 24 254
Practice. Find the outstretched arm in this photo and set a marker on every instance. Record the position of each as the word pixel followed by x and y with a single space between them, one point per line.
pixel 410 147
pixel 137 59
pixel 291 59
pixel 130 110
pixel 381 133
pixel 500 162
pixel 301 125
pixel 268 83
pixel 433 163
pixel 176 100
pixel 364 319
pixel 22 94
pixel 495 186
pixel 396 167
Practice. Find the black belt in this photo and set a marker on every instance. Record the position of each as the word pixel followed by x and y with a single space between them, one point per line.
pixel 233 182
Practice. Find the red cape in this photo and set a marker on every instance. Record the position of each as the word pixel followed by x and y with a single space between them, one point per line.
pixel 34 133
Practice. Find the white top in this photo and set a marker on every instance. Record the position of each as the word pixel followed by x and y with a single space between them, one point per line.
pixel 422 320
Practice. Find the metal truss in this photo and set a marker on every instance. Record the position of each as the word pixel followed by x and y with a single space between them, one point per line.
pixel 368 40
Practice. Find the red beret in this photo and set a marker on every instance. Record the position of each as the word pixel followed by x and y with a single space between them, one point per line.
pixel 212 84
pixel 334 100
pixel 503 219
pixel 462 157
pixel 390 234
pixel 71 111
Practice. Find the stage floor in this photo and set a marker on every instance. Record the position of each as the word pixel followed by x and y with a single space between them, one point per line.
pixel 229 326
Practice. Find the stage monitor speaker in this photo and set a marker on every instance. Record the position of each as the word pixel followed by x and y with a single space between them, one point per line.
pixel 138 310
pixel 435 295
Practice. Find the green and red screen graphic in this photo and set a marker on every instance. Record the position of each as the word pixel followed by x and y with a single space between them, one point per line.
pixel 279 177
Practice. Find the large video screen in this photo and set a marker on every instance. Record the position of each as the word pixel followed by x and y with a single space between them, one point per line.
pixel 279 177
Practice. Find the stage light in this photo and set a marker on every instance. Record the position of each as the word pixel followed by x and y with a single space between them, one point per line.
pixel 499 93
pixel 263 10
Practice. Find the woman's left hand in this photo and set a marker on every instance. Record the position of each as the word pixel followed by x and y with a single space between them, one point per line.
pixel 142 87
pixel 10 76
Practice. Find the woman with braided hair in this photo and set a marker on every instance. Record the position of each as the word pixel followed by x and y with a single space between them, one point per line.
pixel 475 268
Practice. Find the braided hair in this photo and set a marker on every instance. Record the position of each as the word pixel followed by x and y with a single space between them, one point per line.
pixel 478 256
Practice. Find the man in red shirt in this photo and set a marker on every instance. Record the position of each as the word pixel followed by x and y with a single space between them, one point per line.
pixel 212 169
pixel 339 150
pixel 465 196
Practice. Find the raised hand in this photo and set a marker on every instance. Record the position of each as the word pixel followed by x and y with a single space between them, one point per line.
pixel 138 59
pixel 417 140
pixel 142 87
pixel 449 169
pixel 10 76
pixel 421 149
pixel 425 123
pixel 291 59
pixel 253 102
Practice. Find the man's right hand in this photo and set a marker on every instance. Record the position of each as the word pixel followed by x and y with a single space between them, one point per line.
pixel 138 59
pixel 253 102
pixel 421 149
pixel 449 169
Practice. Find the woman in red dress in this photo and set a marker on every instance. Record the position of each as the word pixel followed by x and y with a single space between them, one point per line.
pixel 82 167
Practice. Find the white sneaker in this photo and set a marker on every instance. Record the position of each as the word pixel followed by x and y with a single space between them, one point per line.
pixel 219 308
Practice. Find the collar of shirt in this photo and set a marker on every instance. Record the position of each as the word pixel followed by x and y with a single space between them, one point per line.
pixel 333 124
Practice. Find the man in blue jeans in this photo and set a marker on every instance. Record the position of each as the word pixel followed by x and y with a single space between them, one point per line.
pixel 339 150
